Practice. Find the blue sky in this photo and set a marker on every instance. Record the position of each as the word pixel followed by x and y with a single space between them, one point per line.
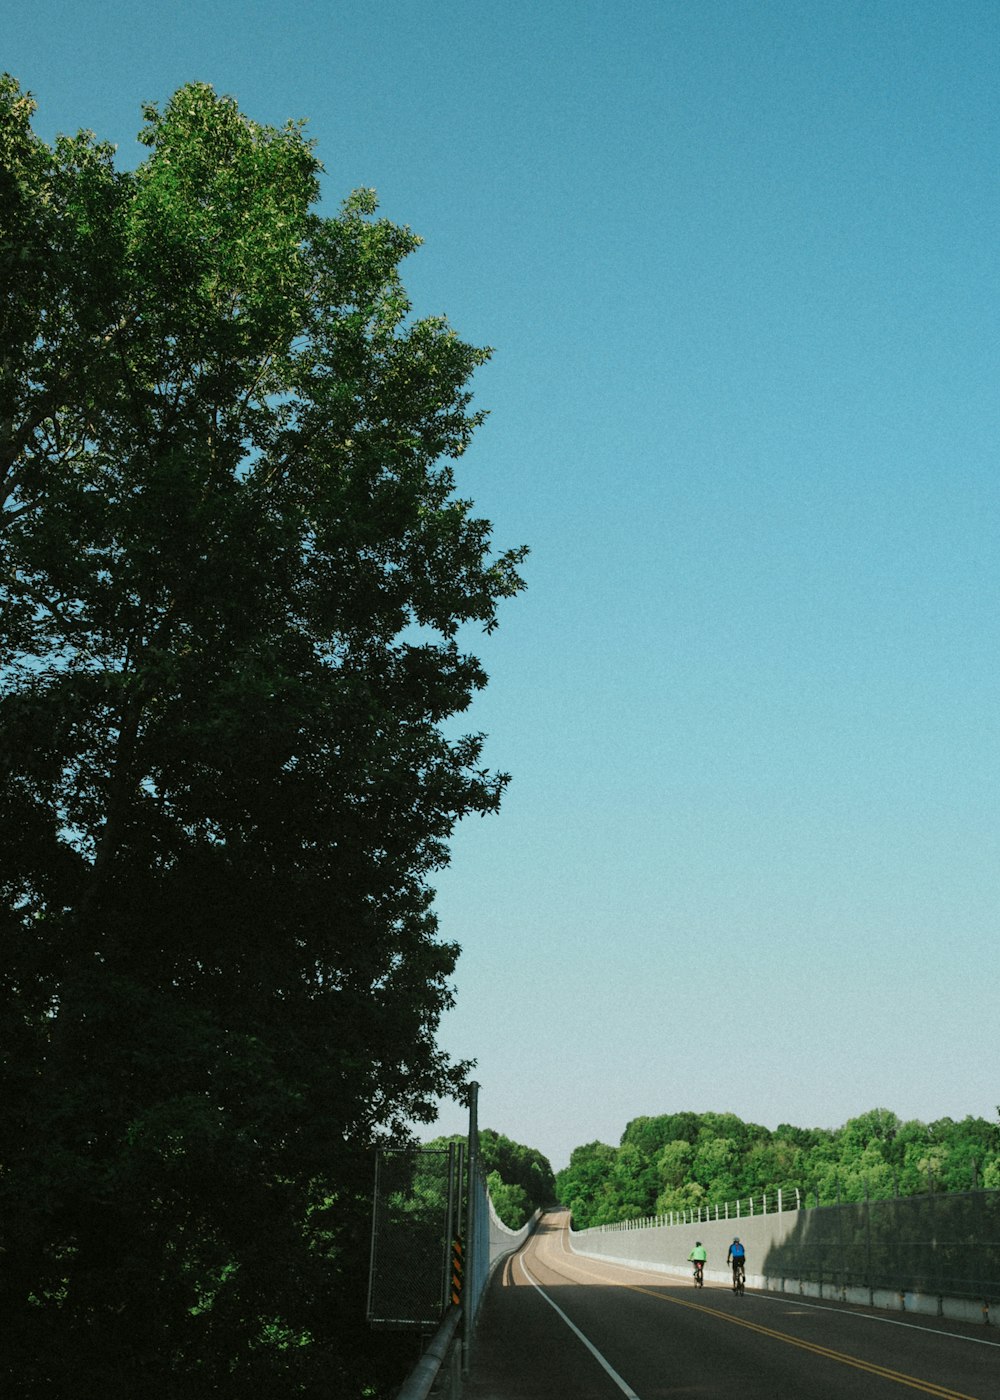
pixel 739 265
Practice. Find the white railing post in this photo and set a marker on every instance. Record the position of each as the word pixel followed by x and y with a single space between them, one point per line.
pixel 798 1201
pixel 779 1200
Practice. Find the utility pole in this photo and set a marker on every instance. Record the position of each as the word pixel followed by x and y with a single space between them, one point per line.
pixel 472 1225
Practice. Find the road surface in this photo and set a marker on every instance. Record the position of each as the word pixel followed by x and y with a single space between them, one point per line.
pixel 556 1326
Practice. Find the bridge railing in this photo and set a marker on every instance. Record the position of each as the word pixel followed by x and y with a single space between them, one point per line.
pixel 769 1201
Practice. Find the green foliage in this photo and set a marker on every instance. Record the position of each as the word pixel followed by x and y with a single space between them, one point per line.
pixel 584 1184
pixel 680 1161
pixel 233 569
pixel 519 1178
pixel 510 1202
pixel 519 1167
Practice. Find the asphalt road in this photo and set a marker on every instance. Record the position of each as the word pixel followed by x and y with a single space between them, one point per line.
pixel 556 1325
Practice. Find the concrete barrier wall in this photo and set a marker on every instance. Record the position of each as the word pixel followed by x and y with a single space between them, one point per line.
pixel 773 1243
pixel 504 1241
pixel 665 1248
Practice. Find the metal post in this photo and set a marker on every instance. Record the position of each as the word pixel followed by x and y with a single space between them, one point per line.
pixel 449 1234
pixel 460 1214
pixel 473 1225
pixel 868 1243
pixel 371 1257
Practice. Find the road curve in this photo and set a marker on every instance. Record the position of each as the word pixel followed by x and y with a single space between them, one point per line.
pixel 557 1325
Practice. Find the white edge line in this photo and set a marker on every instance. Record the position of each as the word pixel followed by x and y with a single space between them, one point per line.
pixel 622 1386
pixel 793 1300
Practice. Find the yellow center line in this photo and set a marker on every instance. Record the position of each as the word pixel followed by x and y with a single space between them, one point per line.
pixel 886 1372
pixel 900 1377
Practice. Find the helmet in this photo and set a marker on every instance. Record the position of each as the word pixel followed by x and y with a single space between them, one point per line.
pixel 736 1240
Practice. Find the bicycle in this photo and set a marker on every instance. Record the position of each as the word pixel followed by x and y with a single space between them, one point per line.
pixel 699 1273
pixel 739 1276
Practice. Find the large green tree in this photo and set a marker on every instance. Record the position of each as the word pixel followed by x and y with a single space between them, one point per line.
pixel 234 574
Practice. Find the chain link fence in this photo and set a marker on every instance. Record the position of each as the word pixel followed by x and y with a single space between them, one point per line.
pixel 435 1239
pixel 412 1228
pixel 477 1259
pixel 937 1244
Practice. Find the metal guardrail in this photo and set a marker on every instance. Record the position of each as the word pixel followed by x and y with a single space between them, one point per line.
pixel 417 1385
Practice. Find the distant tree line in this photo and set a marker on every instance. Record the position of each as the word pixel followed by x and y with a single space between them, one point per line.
pixel 679 1161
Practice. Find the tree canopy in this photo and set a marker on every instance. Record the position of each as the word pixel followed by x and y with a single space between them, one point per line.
pixel 679 1161
pixel 519 1178
pixel 234 574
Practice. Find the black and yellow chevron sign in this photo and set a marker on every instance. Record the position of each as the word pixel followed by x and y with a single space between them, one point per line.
pixel 456 1269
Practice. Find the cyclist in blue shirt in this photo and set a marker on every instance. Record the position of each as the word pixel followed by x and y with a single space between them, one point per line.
pixel 737 1256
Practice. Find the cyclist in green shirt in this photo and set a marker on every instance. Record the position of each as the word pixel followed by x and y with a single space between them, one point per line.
pixel 697 1257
